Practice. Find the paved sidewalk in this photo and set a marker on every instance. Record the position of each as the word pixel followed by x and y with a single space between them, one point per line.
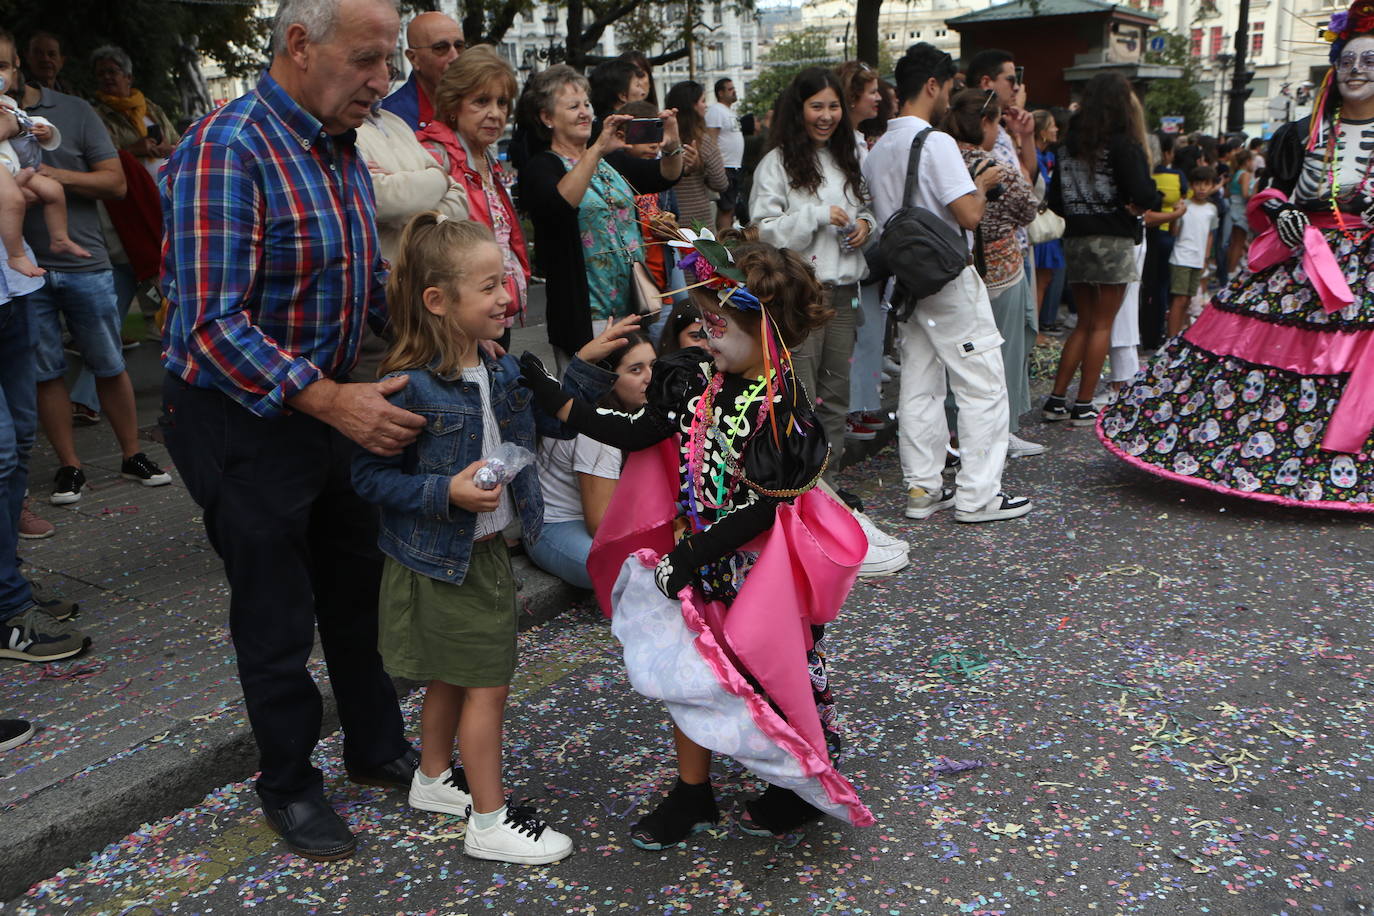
pixel 151 717
pixel 1140 698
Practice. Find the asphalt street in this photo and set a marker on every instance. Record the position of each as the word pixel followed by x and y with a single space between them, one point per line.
pixel 1138 699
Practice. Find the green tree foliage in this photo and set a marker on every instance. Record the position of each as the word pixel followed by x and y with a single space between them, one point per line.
pixel 156 34
pixel 790 55
pixel 1176 97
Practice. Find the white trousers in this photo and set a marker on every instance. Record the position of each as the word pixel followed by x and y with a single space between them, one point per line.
pixel 1124 355
pixel 953 331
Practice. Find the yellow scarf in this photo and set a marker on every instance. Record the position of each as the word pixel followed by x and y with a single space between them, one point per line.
pixel 133 106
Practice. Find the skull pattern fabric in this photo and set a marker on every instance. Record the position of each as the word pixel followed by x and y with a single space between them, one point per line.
pixel 1238 422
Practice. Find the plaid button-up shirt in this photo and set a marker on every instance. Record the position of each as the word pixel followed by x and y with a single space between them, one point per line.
pixel 270 261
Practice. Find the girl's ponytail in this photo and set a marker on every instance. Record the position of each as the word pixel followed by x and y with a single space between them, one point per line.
pixel 433 252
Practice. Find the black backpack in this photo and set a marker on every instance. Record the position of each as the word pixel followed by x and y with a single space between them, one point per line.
pixel 917 248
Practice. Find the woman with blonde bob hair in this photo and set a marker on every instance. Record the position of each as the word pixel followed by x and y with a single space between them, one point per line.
pixel 471 108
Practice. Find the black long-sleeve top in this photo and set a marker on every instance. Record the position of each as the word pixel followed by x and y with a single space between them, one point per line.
pixel 768 473
pixel 1093 196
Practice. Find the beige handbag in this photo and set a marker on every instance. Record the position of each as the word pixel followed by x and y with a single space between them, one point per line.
pixel 648 297
pixel 1046 227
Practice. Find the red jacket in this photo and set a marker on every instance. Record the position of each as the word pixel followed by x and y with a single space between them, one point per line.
pixel 478 210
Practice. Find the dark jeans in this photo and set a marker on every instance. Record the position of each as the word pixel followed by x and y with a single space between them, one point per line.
pixel 18 425
pixel 1154 288
pixel 300 551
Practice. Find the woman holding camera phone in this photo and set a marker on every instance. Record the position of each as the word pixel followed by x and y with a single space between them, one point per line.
pixel 580 199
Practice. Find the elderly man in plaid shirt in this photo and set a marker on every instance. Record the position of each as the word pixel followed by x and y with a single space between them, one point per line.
pixel 271 268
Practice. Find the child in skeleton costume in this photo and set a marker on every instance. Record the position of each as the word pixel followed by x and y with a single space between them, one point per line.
pixel 719 557
pixel 1270 394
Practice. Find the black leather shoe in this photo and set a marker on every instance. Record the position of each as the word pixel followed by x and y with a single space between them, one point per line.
pixel 396 774
pixel 312 829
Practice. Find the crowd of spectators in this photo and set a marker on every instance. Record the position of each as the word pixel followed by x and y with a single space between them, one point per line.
pixel 579 201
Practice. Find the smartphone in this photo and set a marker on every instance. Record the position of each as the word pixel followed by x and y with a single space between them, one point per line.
pixel 1020 76
pixel 644 130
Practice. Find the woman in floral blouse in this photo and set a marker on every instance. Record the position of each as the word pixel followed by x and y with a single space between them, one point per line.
pixel 973 121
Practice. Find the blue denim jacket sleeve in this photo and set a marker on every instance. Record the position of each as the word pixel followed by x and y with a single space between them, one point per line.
pixel 583 381
pixel 385 481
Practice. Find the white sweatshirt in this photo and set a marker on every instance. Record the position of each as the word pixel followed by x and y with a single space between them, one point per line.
pixel 789 217
pixel 405 178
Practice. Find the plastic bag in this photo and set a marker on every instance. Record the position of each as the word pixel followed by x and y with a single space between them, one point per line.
pixel 502 467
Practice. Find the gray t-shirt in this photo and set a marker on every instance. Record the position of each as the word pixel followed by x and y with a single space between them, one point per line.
pixel 85 141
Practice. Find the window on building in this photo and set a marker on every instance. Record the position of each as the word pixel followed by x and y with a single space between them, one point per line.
pixel 747 52
pixel 940 33
pixel 1217 39
pixel 508 51
pixel 716 13
pixel 720 57
pixel 1195 43
pixel 1257 38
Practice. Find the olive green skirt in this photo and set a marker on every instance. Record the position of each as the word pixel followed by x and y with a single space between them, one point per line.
pixel 463 635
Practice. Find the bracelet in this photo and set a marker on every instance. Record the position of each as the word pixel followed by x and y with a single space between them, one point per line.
pixel 676 152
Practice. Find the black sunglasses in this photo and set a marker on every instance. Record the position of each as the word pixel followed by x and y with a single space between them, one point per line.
pixel 440 48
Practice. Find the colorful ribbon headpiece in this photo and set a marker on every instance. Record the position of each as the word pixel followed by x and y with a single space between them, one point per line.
pixel 711 263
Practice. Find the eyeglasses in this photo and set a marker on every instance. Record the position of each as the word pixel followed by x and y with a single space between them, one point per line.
pixel 1347 61
pixel 441 48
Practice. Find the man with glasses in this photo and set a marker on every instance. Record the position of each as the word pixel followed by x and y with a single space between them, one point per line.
pixel 433 41
pixel 995 72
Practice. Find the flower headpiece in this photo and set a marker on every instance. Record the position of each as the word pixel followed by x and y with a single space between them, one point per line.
pixel 714 267
pixel 1343 26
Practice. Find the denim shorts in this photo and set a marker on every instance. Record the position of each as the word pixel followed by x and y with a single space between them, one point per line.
pixel 86 299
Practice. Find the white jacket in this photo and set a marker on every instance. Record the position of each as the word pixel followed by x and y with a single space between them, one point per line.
pixel 405 178
pixel 789 217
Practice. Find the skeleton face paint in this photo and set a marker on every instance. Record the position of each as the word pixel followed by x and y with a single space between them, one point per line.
pixel 732 346
pixel 1357 80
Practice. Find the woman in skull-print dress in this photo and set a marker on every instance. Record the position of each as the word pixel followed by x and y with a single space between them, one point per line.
pixel 1270 395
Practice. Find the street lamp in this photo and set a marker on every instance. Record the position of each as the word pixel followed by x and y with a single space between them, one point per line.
pixel 554 53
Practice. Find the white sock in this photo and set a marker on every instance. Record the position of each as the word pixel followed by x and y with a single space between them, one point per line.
pixel 485 821
pixel 428 781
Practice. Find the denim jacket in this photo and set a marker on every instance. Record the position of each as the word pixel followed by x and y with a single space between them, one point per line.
pixel 420 527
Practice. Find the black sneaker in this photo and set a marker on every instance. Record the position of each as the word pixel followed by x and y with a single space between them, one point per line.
pixel 1083 415
pixel 777 812
pixel 140 467
pixel 14 732
pixel 688 809
pixel 1055 409
pixel 35 637
pixel 66 486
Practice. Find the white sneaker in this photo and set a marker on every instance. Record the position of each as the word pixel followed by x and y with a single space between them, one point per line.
pixel 1021 448
pixel 883 561
pixel 519 837
pixel 447 795
pixel 1001 507
pixel 923 504
pixel 877 536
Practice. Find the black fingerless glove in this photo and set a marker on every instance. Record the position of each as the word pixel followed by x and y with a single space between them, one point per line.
pixel 548 392
pixel 1290 222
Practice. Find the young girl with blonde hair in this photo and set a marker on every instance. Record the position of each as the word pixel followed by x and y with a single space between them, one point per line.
pixel 447 604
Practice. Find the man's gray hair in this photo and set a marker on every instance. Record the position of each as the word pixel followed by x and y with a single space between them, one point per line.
pixel 317 17
pixel 116 54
